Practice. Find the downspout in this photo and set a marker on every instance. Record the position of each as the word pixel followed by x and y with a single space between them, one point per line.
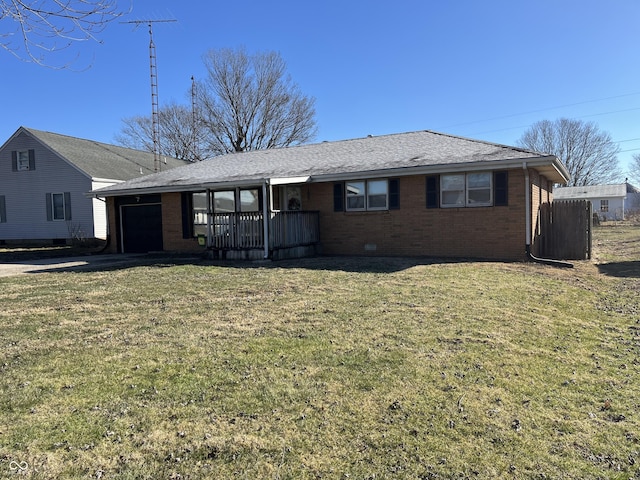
pixel 527 206
pixel 106 216
pixel 209 219
pixel 265 221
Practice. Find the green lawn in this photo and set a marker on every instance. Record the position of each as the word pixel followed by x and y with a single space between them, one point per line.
pixel 325 368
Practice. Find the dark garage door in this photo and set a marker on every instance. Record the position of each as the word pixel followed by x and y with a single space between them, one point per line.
pixel 141 228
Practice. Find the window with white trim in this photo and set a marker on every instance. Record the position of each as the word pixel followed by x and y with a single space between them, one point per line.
pixel 367 195
pixel 57 204
pixel 479 189
pixel 452 190
pixel 604 206
pixel 466 189
pixel 22 160
pixel 3 209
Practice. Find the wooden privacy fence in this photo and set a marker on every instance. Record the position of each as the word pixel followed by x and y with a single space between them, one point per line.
pixel 565 230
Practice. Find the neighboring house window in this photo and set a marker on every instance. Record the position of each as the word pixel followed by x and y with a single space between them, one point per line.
pixel 604 206
pixel 3 209
pixel 367 195
pixel 466 189
pixel 23 160
pixel 58 206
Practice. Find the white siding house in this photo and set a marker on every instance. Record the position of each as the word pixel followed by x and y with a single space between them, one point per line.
pixel 44 178
pixel 608 201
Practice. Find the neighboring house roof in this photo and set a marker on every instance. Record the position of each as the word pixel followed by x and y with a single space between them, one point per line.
pixel 632 189
pixel 379 156
pixel 101 160
pixel 590 191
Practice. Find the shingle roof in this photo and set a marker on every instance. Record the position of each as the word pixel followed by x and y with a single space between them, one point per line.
pixel 590 191
pixel 102 160
pixel 395 154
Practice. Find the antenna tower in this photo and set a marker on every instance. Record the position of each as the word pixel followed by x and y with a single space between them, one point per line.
pixel 194 121
pixel 155 124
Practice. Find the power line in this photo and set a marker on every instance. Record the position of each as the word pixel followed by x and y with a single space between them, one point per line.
pixel 529 125
pixel 502 117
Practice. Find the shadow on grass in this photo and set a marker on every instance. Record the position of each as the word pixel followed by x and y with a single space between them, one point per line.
pixel 113 262
pixel 629 269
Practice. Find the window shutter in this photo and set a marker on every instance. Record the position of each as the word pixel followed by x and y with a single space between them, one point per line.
pixel 49 207
pixel 67 205
pixel 3 210
pixel 187 215
pixel 32 159
pixel 338 197
pixel 394 194
pixel 500 189
pixel 14 161
pixel 433 191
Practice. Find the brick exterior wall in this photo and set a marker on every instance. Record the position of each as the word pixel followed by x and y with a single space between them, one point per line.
pixel 414 230
pixel 112 237
pixel 411 230
pixel 172 226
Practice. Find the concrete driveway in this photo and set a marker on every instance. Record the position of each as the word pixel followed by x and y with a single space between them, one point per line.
pixel 86 262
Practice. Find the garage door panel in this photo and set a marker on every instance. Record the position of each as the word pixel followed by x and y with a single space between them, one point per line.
pixel 141 228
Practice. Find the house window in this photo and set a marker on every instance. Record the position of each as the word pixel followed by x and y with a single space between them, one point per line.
pixel 479 189
pixel 3 209
pixel 452 190
pixel 367 195
pixel 604 206
pixel 199 212
pixel 58 206
pixel 249 200
pixel 22 160
pixel 224 202
pixel 470 189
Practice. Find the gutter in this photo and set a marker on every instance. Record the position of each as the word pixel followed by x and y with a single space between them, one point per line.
pixel 527 207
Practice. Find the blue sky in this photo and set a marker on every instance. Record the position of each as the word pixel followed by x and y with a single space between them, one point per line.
pixel 484 70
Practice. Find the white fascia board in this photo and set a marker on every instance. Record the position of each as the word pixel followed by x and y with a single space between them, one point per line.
pixel 516 163
pixel 289 180
pixel 151 190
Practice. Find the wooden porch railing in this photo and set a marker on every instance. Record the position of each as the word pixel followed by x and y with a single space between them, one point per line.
pixel 293 229
pixel 244 231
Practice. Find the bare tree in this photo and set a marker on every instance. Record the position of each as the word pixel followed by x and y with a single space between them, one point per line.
pixel 635 168
pixel 248 102
pixel 588 153
pixel 41 27
pixel 181 133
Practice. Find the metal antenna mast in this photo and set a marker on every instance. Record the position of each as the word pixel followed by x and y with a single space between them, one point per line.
pixel 194 121
pixel 155 124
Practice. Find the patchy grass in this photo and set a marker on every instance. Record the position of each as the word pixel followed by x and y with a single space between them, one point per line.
pixel 324 368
